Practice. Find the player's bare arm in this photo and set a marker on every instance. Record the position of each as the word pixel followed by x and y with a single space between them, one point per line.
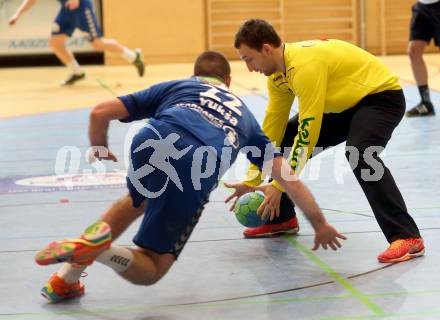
pixel 325 234
pixel 25 5
pixel 99 121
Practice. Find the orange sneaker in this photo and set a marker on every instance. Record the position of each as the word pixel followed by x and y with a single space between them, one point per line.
pixel 56 289
pixel 267 230
pixel 402 250
pixel 83 251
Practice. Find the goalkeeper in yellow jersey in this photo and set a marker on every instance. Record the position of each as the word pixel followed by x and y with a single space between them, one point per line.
pixel 345 94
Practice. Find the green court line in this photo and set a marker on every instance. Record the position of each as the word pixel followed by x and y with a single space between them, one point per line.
pixel 119 310
pixel 106 87
pixel 415 315
pixel 404 293
pixel 339 279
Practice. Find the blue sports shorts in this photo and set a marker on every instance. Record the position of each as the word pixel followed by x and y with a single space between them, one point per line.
pixel 83 18
pixel 174 205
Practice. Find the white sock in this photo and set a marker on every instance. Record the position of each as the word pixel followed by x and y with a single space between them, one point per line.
pixel 128 55
pixel 71 273
pixel 117 258
pixel 74 66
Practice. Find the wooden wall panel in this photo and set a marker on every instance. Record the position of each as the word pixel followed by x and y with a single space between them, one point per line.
pixel 388 23
pixel 178 30
pixel 167 31
pixel 396 25
pixel 295 20
pixel 306 20
pixel 224 17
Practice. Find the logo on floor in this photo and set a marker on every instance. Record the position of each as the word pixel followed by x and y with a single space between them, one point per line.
pixel 85 181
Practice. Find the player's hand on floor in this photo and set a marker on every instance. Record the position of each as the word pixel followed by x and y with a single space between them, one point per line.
pixel 327 236
pixel 240 189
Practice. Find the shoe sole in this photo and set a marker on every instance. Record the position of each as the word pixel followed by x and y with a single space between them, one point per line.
pixel 419 115
pixel 97 235
pixel 273 234
pixel 97 232
pixel 58 252
pixel 53 297
pixel 65 84
pixel 140 70
pixel 406 257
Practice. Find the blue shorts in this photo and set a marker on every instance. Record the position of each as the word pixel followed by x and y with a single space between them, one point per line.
pixel 173 205
pixel 82 18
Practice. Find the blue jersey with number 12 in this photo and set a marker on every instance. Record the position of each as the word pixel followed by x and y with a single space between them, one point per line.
pixel 205 108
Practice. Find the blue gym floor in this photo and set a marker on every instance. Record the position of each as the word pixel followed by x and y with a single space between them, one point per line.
pixel 219 275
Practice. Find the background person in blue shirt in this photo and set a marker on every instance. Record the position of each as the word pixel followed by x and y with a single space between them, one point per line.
pixel 79 14
pixel 176 160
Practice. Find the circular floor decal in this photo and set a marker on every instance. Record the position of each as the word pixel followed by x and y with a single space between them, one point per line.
pixel 77 180
pixel 85 181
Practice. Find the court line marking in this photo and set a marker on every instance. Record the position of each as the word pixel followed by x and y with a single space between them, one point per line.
pixel 106 87
pixel 417 315
pixel 102 311
pixel 355 292
pixel 235 301
pixel 193 241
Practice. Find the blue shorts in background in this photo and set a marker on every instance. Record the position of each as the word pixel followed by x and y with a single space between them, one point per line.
pixel 83 18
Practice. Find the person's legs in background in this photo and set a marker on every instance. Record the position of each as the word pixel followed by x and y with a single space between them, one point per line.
pixel 57 43
pixel 131 56
pixel 418 65
pixel 62 29
pixel 84 18
pixel 422 29
pixel 87 22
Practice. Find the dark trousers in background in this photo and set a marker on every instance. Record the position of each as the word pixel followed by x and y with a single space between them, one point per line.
pixel 370 123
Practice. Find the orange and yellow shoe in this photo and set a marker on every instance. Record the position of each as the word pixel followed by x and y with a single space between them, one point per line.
pixel 83 251
pixel 57 290
pixel 268 230
pixel 402 250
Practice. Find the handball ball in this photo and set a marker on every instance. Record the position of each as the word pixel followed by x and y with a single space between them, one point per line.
pixel 246 210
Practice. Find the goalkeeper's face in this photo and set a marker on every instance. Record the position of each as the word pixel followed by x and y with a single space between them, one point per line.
pixel 262 61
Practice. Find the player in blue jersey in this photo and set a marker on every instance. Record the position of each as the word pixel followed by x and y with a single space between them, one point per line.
pixel 79 14
pixel 196 129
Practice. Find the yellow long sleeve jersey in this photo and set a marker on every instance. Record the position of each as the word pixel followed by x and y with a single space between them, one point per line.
pixel 327 76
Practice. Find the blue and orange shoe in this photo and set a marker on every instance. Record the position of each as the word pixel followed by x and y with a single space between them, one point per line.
pixel 57 290
pixel 83 251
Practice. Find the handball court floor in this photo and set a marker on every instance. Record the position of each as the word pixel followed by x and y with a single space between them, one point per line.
pixel 219 275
